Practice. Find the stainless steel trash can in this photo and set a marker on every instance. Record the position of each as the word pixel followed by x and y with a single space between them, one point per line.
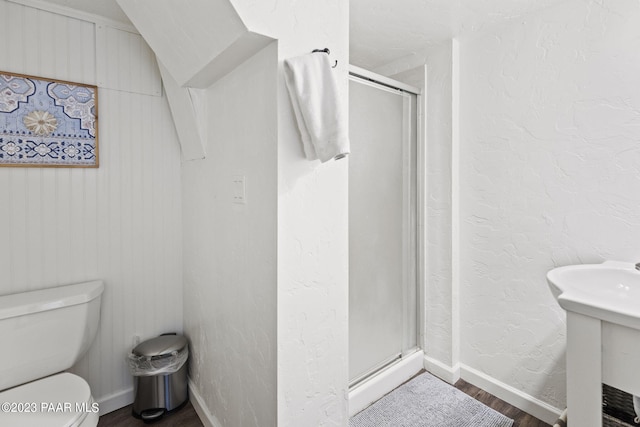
pixel 159 367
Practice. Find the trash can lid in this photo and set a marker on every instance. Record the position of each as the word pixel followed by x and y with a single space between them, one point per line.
pixel 159 346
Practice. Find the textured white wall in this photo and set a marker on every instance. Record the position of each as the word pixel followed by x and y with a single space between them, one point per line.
pixel 312 227
pixel 313 262
pixel 230 249
pixel 550 120
pixel 119 223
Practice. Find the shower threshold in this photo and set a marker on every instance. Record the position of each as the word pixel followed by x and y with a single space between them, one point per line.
pixel 366 389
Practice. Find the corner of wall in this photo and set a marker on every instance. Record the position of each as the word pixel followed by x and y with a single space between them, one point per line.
pixel 436 67
pixel 230 248
pixel 200 406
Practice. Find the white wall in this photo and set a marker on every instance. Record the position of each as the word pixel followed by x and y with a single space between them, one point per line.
pixel 549 155
pixel 231 303
pixel 312 227
pixel 230 248
pixel 313 262
pixel 120 222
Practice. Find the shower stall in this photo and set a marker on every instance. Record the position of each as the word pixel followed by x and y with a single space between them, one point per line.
pixel 383 233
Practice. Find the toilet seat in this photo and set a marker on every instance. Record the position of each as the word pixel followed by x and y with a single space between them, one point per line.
pixel 62 400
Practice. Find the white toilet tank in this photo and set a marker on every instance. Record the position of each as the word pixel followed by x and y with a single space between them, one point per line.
pixel 47 331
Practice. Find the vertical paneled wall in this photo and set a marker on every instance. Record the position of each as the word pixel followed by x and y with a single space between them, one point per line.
pixel 120 222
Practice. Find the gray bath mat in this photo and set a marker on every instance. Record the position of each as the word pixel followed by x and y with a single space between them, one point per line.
pixel 427 401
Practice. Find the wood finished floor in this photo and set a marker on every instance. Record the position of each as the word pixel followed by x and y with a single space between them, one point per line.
pixel 520 418
pixel 183 417
pixel 187 417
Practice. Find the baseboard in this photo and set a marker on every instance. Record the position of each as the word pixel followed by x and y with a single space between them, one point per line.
pixel 511 395
pixel 374 388
pixel 446 373
pixel 207 418
pixel 115 401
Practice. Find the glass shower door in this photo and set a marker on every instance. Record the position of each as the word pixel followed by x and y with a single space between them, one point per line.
pixel 382 230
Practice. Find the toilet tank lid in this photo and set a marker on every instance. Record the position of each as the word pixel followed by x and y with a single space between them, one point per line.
pixel 49 299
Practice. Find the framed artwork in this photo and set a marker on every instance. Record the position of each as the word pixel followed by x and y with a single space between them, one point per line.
pixel 47 123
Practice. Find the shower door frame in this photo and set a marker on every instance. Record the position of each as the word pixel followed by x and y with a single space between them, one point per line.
pixel 412 361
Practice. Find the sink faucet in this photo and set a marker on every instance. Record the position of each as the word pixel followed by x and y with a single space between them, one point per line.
pixel 638 266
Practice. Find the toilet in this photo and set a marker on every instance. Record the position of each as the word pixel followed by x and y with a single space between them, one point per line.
pixel 44 333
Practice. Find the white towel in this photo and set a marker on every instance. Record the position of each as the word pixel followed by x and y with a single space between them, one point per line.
pixel 316 103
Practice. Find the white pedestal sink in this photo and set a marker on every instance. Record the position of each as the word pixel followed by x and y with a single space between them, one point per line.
pixel 602 302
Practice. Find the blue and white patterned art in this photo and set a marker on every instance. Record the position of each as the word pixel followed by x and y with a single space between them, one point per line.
pixel 47 123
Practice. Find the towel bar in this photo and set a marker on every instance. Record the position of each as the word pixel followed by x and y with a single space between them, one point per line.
pixel 328 52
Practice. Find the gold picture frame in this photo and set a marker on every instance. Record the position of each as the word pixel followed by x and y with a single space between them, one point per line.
pixel 47 122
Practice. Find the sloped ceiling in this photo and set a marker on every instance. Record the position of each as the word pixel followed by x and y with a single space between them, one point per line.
pixel 383 31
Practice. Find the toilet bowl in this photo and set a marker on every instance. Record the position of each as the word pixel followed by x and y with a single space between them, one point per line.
pixel 48 331
pixel 59 400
